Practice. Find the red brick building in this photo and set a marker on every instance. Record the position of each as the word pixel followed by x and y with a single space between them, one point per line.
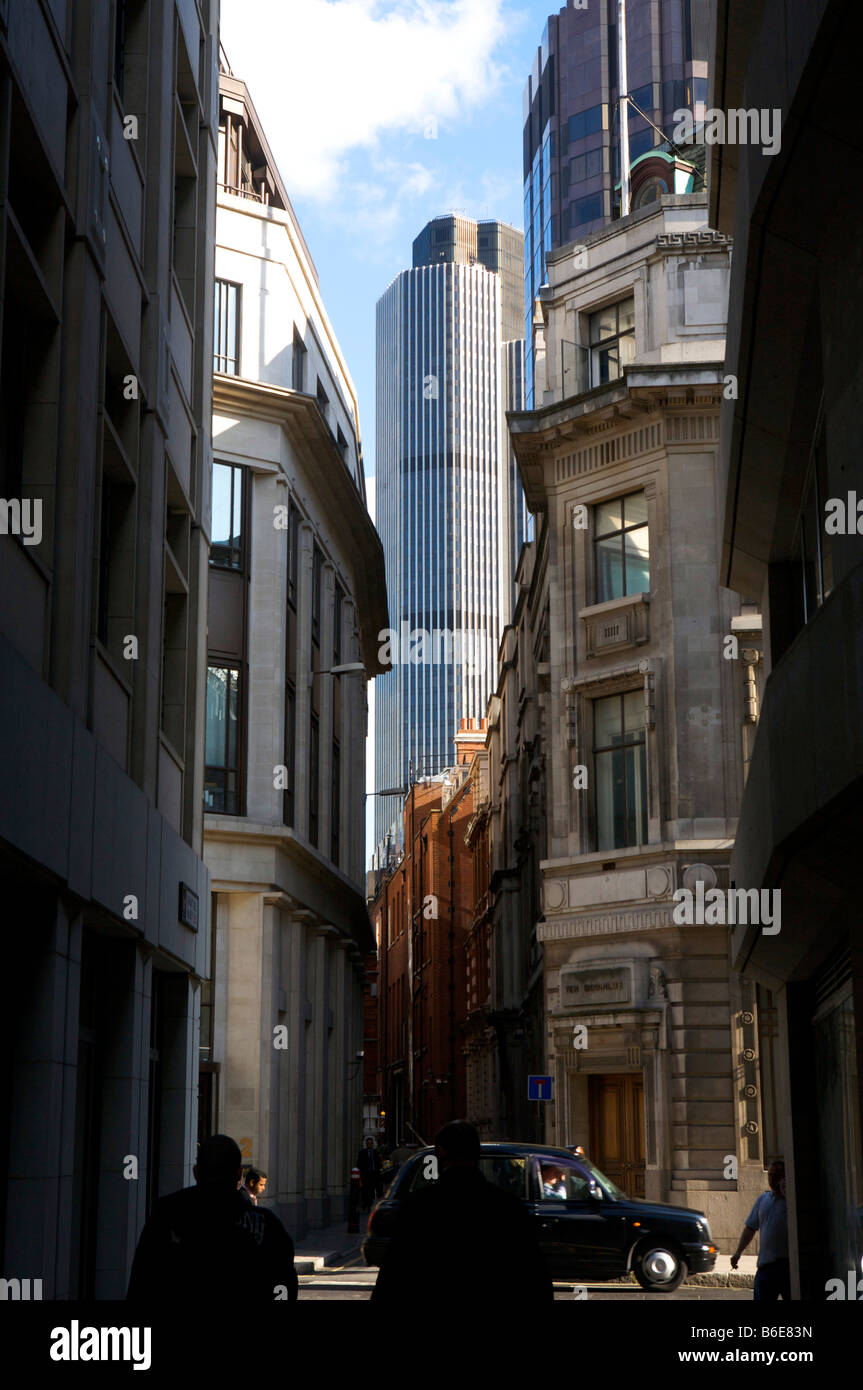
pixel 422 915
pixel 372 1125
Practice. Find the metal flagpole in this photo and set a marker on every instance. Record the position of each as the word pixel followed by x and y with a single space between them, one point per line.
pixel 623 112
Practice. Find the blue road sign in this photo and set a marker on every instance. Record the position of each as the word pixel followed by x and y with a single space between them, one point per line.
pixel 539 1088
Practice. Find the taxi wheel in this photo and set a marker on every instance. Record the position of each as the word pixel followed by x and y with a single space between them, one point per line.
pixel 658 1268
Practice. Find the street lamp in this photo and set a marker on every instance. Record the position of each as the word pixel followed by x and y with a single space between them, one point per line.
pixel 348 668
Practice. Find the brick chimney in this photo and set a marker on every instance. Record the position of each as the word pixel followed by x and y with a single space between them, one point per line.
pixel 470 738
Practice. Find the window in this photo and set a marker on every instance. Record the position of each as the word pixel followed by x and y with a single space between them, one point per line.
pixel 336 787
pixel 674 95
pixel 620 775
pixel 585 166
pixel 298 363
pixel 120 18
pixel 643 98
pixel 130 28
pixel 612 341
pixel 639 144
pixel 813 544
pixel 116 543
pixel 342 443
pixel 649 191
pixel 502 1170
pixel 293 553
pixel 314 776
pixel 585 210
pixel 621 547
pixel 338 600
pixel 561 1181
pixel 323 400
pixel 227 544
pixel 585 123
pixel 335 804
pixel 226 355
pixel 222 741
pixel 288 802
pixel 317 574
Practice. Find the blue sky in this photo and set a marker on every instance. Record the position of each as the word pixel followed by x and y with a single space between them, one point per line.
pixel 382 114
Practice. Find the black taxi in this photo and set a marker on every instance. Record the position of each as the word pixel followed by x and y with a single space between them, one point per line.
pixel 587 1228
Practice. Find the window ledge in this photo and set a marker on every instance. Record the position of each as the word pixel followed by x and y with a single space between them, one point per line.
pixel 616 624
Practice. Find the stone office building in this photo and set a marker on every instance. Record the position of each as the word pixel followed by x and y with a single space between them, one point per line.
pixel 108 131
pixel 297 599
pixel 789 454
pixel 641 717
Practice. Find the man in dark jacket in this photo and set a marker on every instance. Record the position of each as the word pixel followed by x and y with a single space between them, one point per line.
pixel 369 1164
pixel 461 1240
pixel 211 1243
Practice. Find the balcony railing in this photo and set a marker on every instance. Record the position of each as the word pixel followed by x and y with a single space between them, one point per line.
pixel 244 192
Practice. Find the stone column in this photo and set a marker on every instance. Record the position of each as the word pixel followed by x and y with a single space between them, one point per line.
pixel 273 1059
pixel 242 1068
pixel 339 1039
pixel 219 976
pixel 293 1075
pixel 317 1078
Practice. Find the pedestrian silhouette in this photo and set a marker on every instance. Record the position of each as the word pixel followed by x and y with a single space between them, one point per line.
pixel 369 1164
pixel 769 1217
pixel 211 1243
pixel 461 1240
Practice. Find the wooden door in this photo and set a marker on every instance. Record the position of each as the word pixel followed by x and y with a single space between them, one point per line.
pixel 617 1129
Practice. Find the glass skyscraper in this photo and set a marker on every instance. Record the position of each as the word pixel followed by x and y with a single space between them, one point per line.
pixel 571 129
pixel 449 507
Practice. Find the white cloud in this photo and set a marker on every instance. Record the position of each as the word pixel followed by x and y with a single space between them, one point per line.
pixel 332 76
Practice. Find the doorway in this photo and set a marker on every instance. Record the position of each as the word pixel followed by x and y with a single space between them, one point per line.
pixel 617 1129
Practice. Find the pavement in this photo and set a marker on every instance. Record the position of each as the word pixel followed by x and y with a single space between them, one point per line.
pixel 722 1276
pixel 331 1245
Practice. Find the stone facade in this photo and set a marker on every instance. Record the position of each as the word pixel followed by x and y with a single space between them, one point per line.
pixel 107 165
pixel 297 594
pixel 641 717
